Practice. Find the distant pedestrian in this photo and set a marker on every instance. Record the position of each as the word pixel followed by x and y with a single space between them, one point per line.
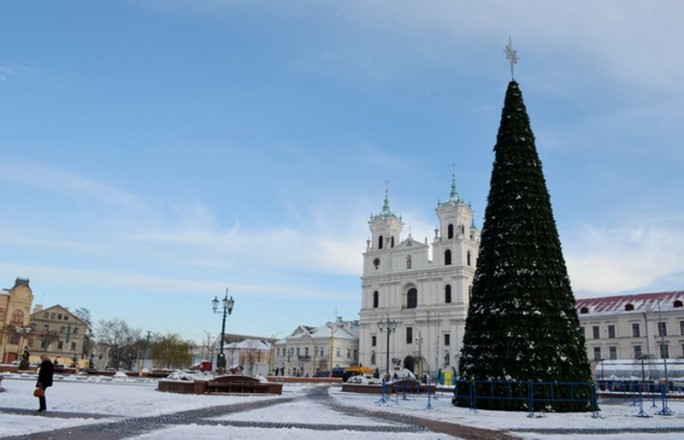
pixel 47 370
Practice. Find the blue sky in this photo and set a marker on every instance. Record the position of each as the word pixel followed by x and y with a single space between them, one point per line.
pixel 155 152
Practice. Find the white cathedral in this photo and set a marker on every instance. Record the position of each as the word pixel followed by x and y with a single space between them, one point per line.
pixel 413 308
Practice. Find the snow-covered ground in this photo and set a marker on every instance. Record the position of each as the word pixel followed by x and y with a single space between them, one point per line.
pixel 105 399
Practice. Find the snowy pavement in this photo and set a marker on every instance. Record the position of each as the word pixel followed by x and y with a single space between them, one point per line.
pixel 133 408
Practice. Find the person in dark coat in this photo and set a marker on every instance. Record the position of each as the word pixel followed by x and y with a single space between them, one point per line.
pixel 47 370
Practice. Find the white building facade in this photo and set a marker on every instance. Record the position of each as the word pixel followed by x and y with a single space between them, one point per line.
pixel 310 350
pixel 631 327
pixel 425 299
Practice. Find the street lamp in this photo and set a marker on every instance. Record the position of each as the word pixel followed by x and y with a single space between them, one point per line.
pixel 388 326
pixel 227 310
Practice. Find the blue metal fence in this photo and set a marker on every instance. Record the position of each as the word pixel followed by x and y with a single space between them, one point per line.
pixel 529 396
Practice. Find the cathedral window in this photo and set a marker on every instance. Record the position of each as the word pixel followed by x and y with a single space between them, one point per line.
pixel 412 298
pixel 447 257
pixel 374 341
pixel 447 339
pixel 392 239
pixel 380 242
pixel 450 231
pixel 409 335
pixel 447 293
pixel 468 258
pixel 376 299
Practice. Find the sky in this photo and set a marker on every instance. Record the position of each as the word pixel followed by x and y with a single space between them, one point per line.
pixel 155 153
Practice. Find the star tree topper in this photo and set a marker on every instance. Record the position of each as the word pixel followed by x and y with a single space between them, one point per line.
pixel 511 55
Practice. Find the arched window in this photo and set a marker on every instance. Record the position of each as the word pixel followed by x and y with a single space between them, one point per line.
pixel 629 307
pixel 450 231
pixel 380 242
pixel 677 303
pixel 447 293
pixel 409 263
pixel 412 298
pixel 447 257
pixel 18 317
pixel 468 258
pixel 584 310
pixel 392 241
pixel 376 299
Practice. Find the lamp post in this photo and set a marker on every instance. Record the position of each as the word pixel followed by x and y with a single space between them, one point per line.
pixel 22 333
pixel 389 326
pixel 664 353
pixel 227 310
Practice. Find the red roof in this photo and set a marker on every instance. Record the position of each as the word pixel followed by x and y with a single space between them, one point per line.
pixel 639 303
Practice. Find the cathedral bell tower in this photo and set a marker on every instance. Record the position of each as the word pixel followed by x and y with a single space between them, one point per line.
pixel 385 230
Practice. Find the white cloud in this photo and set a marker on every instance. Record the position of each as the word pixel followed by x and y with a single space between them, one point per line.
pixel 613 259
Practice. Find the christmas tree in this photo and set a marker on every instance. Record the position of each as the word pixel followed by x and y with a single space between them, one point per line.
pixel 521 324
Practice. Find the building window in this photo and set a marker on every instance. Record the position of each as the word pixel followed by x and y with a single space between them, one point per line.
pixel 376 299
pixel 637 352
pixel 596 332
pixel 348 353
pixel 73 346
pixel 337 352
pixel 468 258
pixel 611 331
pixel 678 303
pixel 597 353
pixel 392 241
pixel 412 298
pixel 681 327
pixel 374 341
pixel 582 331
pixel 409 335
pixel 18 317
pixel 447 257
pixel 450 231
pixel 60 345
pixel 612 353
pixel 447 294
pixel 306 351
pixel 664 351
pixel 380 242
pixel 636 331
pixel 629 307
pixel 447 339
pixel 584 310
pixel 662 328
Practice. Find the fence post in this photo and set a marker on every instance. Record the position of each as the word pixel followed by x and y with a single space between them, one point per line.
pixel 594 402
pixel 663 396
pixel 530 399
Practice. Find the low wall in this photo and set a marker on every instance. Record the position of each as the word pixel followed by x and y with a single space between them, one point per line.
pixel 294 379
pixel 221 385
pixel 183 386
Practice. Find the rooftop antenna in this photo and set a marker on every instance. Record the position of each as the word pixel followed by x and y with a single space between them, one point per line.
pixel 511 55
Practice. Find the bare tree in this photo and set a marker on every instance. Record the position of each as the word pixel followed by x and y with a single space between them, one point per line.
pixel 121 340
